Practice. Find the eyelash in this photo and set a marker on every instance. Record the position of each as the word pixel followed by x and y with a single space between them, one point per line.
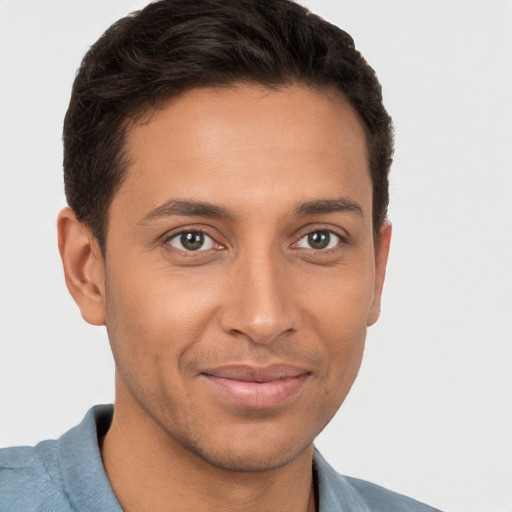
pixel 333 240
pixel 194 231
pixel 215 246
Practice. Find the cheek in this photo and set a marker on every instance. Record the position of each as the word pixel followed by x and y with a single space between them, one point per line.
pixel 156 316
pixel 340 302
pixel 344 346
pixel 341 308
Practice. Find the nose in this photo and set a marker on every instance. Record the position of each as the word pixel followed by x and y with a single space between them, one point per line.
pixel 259 305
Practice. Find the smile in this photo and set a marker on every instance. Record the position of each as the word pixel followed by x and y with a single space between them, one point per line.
pixel 257 388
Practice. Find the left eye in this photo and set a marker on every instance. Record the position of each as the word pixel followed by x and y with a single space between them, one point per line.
pixel 191 241
pixel 319 240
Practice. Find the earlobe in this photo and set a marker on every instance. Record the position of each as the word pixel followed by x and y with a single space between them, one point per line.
pixel 381 260
pixel 84 268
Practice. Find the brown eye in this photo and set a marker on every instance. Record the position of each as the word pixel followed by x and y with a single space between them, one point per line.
pixel 191 241
pixel 319 240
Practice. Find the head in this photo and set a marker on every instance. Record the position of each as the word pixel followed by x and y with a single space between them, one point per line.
pixel 173 46
pixel 226 167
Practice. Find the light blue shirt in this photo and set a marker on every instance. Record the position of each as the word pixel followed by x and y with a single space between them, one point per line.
pixel 67 475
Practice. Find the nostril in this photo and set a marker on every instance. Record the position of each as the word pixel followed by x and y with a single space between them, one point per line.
pixel 261 336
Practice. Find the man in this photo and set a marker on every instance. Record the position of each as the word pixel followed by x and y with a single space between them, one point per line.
pixel 226 168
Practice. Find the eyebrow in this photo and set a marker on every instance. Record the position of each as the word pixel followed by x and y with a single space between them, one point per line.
pixel 186 208
pixel 321 206
pixel 189 208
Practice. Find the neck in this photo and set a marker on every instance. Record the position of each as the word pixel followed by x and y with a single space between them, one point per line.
pixel 149 470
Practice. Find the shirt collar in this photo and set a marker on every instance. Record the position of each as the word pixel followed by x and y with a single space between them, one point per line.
pixel 335 493
pixel 84 476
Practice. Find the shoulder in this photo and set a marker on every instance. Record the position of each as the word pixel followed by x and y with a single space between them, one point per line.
pixel 29 479
pixel 383 500
pixel 64 475
pixel 338 492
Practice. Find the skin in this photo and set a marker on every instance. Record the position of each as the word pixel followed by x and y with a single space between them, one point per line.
pixel 277 166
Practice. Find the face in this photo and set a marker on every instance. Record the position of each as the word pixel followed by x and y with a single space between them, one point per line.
pixel 241 271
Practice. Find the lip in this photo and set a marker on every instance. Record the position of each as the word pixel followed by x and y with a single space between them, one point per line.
pixel 257 387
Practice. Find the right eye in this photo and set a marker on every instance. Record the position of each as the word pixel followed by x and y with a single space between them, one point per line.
pixel 191 241
pixel 319 240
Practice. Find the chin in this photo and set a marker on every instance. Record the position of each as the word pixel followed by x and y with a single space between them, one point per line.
pixel 246 455
pixel 252 462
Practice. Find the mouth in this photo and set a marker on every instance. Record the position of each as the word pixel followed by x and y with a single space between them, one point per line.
pixel 257 387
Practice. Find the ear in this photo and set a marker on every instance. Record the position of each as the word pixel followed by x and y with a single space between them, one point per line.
pixel 381 260
pixel 84 267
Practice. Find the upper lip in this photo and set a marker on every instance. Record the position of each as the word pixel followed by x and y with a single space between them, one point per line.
pixel 249 373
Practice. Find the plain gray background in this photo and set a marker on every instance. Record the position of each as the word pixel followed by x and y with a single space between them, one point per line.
pixel 431 413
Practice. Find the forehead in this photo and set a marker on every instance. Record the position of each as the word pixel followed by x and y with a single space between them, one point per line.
pixel 241 143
